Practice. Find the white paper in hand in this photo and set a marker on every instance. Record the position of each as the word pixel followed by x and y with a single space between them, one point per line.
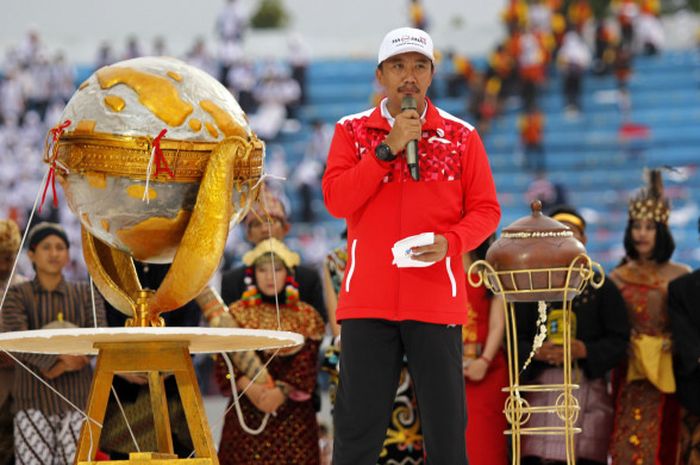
pixel 402 250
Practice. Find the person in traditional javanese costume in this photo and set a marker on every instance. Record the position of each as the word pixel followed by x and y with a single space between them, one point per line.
pixel 600 336
pixel 684 310
pixel 46 427
pixel 647 413
pixel 290 434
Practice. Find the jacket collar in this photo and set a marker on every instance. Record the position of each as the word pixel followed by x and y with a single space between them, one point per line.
pixel 433 120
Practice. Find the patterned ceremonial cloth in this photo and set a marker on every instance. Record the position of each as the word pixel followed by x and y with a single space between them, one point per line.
pixel 46 439
pixel 647 421
pixel 299 318
pixel 139 413
pixel 403 444
pixel 335 262
pixel 291 436
pixel 404 441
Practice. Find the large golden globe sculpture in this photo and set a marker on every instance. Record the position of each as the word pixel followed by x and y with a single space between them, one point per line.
pixel 158 160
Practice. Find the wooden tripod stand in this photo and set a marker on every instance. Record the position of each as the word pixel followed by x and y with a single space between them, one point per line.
pixel 155 359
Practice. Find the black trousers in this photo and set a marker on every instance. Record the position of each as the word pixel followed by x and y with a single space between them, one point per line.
pixel 370 362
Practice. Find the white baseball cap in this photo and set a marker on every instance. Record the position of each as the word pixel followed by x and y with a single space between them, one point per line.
pixel 403 40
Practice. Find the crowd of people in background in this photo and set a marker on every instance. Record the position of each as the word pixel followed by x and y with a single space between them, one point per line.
pixel 36 81
pixel 548 36
pixel 544 37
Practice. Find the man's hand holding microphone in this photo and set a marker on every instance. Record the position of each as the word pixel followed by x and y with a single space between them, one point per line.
pixel 405 134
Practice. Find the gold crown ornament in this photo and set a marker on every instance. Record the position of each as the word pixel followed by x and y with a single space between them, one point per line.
pixel 272 246
pixel 650 203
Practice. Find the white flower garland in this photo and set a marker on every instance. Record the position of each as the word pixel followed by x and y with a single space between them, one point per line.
pixel 541 332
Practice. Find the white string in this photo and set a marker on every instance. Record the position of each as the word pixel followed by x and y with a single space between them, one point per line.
pixel 146 198
pixel 2 303
pixel 236 397
pixel 128 426
pixel 55 391
pixel 24 238
pixel 220 422
pixel 116 396
pixel 272 257
pixel 234 388
pixel 92 439
pixel 265 176
pixel 239 412
pixel 94 308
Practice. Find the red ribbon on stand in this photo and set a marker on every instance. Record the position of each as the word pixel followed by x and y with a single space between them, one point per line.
pixel 160 161
pixel 55 132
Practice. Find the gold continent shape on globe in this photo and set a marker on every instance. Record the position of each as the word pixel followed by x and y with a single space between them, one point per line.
pixel 103 156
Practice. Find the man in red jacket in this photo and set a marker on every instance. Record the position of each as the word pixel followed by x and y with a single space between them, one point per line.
pixel 388 311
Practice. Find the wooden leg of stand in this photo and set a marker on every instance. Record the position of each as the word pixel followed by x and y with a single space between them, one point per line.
pixel 89 440
pixel 161 417
pixel 194 409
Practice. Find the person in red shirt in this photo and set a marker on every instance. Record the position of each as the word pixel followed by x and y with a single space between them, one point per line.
pixel 485 370
pixel 531 125
pixel 387 311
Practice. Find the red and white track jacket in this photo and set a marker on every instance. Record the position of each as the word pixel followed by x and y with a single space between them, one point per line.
pixel 455 196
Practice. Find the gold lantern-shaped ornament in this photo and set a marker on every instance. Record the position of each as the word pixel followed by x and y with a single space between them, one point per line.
pixel 158 161
pixel 538 259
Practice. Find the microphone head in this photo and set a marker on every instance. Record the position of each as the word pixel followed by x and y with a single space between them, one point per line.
pixel 408 103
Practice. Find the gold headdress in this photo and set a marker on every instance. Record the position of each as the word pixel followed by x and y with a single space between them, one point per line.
pixel 275 246
pixel 650 203
pixel 9 236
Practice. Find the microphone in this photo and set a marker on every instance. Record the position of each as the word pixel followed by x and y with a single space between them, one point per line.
pixel 409 103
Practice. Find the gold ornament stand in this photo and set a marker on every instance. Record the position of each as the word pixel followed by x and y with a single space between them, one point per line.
pixel 547 284
pixel 156 359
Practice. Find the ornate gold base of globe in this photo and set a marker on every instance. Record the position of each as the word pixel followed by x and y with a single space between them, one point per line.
pixel 128 156
pixel 142 317
pixel 562 284
pixel 198 251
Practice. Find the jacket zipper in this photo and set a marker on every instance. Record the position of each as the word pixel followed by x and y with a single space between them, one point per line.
pixel 402 161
